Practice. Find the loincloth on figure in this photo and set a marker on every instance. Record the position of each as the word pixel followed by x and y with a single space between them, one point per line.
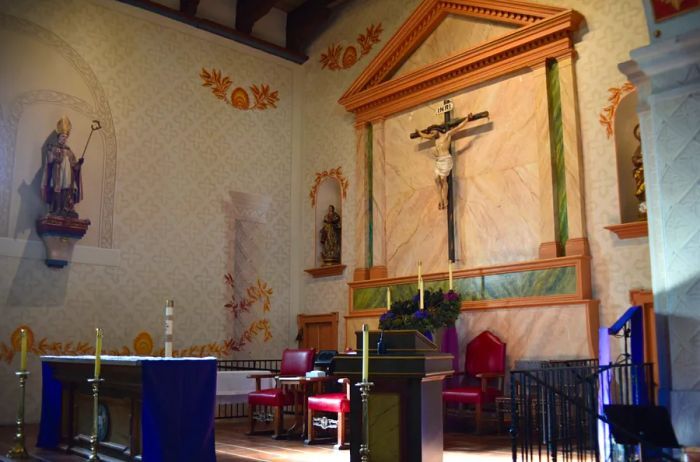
pixel 443 166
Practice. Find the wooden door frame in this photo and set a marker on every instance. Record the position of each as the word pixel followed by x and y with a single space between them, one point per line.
pixel 332 318
pixel 645 299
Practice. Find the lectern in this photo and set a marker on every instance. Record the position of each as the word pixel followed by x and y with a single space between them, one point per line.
pixel 405 403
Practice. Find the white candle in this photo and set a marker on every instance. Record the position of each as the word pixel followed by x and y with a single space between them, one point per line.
pixel 388 299
pixel 169 307
pixel 449 269
pixel 23 350
pixel 420 289
pixel 420 267
pixel 365 352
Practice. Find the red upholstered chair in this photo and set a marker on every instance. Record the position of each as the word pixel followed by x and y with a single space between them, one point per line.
pixel 295 363
pixel 486 361
pixel 337 403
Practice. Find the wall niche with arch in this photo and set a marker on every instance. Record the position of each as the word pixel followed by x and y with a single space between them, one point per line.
pixel 327 195
pixel 624 128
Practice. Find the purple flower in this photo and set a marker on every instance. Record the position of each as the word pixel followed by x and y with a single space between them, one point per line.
pixel 451 296
pixel 386 316
pixel 421 314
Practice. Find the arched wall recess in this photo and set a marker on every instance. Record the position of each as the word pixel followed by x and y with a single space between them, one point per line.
pixel 630 169
pixel 327 194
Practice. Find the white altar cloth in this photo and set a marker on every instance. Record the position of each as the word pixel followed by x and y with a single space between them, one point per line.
pixel 233 386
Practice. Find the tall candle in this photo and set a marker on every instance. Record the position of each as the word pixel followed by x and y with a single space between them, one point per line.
pixel 98 351
pixel 420 289
pixel 420 271
pixel 388 298
pixel 23 350
pixel 365 352
pixel 169 307
pixel 449 269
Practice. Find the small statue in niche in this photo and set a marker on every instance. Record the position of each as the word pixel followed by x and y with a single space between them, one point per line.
pixel 61 182
pixel 330 238
pixel 640 188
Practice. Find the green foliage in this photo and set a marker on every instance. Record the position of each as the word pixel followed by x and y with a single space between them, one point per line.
pixel 441 310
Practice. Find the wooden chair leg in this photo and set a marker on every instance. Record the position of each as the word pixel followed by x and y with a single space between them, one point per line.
pixel 478 418
pixel 251 419
pixel 279 417
pixel 341 431
pixel 310 430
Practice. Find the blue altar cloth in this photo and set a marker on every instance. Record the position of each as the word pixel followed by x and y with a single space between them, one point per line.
pixel 177 413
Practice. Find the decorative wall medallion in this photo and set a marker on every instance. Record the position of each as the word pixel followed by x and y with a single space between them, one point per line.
pixel 239 98
pixel 338 57
pixel 143 344
pixel 336 173
pixel 607 115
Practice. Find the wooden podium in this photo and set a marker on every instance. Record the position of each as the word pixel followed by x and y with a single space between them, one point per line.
pixel 405 403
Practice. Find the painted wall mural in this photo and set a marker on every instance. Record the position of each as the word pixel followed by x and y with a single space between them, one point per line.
pixel 338 57
pixel 143 344
pixel 239 99
pixel 607 115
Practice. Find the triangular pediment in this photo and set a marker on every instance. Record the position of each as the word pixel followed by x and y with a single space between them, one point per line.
pixel 489 32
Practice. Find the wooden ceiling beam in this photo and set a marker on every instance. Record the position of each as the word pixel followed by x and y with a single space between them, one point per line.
pixel 219 29
pixel 306 21
pixel 189 7
pixel 249 11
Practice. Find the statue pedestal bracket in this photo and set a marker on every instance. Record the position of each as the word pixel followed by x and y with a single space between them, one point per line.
pixel 60 235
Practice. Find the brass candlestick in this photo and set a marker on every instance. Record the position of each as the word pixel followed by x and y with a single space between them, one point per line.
pixel 18 451
pixel 364 393
pixel 95 399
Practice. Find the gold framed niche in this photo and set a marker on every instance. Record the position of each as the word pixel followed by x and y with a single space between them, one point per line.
pixel 327 199
pixel 629 167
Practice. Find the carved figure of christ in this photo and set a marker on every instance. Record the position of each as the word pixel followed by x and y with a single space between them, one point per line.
pixel 442 150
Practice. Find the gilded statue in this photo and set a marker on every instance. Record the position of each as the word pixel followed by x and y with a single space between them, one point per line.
pixel 331 238
pixel 639 186
pixel 61 183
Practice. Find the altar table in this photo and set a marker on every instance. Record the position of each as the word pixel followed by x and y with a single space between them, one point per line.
pixel 152 409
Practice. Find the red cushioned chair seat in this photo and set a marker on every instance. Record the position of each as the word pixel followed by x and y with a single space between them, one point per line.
pixel 469 395
pixel 332 402
pixel 270 397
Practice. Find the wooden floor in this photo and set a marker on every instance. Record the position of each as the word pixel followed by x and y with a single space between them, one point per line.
pixel 232 445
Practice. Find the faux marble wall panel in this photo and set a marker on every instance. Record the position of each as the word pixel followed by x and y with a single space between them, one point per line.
pixel 453 34
pixel 495 177
pixel 548 332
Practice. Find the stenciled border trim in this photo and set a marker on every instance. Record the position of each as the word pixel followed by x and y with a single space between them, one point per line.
pixel 607 115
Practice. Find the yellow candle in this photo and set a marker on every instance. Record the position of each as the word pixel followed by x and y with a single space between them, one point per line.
pixel 365 352
pixel 449 269
pixel 388 298
pixel 98 351
pixel 420 288
pixel 23 350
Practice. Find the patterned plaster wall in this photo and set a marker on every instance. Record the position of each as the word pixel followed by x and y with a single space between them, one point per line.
pixel 610 31
pixel 202 190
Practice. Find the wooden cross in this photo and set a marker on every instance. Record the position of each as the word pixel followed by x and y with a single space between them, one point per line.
pixel 434 132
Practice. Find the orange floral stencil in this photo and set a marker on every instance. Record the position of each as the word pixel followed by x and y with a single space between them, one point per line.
pixel 263 97
pixel 607 116
pixel 338 57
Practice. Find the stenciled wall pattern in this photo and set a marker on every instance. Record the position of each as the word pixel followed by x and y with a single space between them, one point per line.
pixel 182 158
pixel 610 31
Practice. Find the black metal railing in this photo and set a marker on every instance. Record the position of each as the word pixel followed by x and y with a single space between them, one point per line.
pixel 556 409
pixel 228 411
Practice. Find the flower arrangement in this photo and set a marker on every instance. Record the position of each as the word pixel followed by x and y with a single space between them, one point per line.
pixel 441 310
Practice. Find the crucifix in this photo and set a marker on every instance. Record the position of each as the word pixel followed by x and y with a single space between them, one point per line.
pixel 443 152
